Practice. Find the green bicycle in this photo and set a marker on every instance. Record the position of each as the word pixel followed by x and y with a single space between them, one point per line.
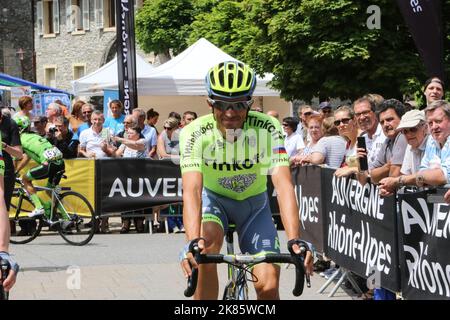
pixel 69 213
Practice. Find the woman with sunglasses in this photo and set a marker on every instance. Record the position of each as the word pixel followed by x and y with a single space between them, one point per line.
pixel 168 140
pixel 344 120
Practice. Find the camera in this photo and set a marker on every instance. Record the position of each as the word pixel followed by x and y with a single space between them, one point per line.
pixel 52 130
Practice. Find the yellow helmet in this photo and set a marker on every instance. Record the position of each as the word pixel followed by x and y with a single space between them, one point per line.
pixel 230 79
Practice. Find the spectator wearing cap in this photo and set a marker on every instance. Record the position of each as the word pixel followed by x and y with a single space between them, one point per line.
pixel 366 118
pixel 38 125
pixel 293 141
pixel 325 109
pixel 433 90
pixel 435 165
pixel 413 126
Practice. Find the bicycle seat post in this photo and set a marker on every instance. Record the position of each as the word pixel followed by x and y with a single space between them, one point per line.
pixel 229 238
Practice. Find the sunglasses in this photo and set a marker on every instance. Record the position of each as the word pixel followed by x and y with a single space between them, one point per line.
pixel 127 122
pixel 235 106
pixel 87 112
pixel 344 121
pixel 307 114
pixel 168 128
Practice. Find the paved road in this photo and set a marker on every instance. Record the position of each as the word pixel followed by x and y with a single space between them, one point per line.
pixel 119 266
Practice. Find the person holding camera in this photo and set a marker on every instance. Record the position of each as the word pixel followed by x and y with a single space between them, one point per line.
pixel 61 137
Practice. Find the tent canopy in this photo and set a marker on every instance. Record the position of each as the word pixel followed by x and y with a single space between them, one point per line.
pixel 106 78
pixel 185 73
pixel 10 81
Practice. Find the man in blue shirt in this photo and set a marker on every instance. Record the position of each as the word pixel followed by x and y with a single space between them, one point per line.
pixel 435 165
pixel 115 121
pixel 148 131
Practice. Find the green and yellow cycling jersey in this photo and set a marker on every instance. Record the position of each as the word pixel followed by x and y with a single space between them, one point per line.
pixel 238 169
pixel 39 148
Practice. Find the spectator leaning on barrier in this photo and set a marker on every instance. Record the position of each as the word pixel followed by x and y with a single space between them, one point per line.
pixel 94 142
pixel 344 120
pixel 413 126
pixel 390 157
pixel 64 139
pixel 168 140
pixel 367 121
pixel 115 121
pixel 433 90
pixel 435 165
pixel 147 131
pixel 315 131
pixel 331 148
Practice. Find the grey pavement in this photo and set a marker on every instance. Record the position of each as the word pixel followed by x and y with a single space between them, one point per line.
pixel 121 266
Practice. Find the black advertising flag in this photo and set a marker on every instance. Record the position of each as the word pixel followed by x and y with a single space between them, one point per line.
pixel 423 18
pixel 126 54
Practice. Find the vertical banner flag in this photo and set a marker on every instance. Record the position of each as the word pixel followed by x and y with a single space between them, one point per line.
pixel 423 18
pixel 126 54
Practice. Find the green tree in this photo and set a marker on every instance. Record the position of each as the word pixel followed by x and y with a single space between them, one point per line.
pixel 164 25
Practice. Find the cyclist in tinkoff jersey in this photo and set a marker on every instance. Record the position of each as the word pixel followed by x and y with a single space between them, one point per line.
pixel 47 156
pixel 225 159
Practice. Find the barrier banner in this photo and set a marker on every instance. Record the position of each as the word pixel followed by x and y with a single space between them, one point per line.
pixel 361 230
pixel 424 247
pixel 125 185
pixel 308 191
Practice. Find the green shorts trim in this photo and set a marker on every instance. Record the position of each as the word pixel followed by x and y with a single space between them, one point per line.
pixel 209 217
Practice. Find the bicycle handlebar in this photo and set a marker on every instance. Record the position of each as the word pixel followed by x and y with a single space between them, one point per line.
pixel 4 271
pixel 296 260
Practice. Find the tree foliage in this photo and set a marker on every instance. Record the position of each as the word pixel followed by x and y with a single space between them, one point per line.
pixel 313 47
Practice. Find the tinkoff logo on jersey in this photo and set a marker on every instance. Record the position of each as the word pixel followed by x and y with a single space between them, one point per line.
pixel 238 183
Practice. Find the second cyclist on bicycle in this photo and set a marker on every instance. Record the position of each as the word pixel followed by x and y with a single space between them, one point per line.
pixel 48 157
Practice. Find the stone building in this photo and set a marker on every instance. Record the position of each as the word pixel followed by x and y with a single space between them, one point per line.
pixel 73 38
pixel 16 38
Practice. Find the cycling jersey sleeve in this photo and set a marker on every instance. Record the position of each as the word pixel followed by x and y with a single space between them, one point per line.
pixel 279 155
pixel 191 138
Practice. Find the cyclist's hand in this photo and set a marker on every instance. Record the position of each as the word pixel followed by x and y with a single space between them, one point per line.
pixel 298 246
pixel 187 259
pixel 9 282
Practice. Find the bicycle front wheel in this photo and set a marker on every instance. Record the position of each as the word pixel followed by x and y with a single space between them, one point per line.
pixel 23 228
pixel 76 218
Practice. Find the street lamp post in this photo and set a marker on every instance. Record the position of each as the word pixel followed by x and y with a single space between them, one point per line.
pixel 21 53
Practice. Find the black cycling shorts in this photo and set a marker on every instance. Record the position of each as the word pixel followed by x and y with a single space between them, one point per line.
pixel 46 170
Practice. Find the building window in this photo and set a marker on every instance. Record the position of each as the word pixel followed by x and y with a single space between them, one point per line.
pixel 109 11
pixel 77 15
pixel 47 13
pixel 50 76
pixel 79 71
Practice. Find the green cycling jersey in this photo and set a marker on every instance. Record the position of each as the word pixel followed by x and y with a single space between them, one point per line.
pixel 38 148
pixel 238 169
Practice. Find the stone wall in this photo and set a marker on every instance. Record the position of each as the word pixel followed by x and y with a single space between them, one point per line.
pixel 16 21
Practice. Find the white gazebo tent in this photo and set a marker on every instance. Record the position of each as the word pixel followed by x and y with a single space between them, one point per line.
pixel 106 77
pixel 183 79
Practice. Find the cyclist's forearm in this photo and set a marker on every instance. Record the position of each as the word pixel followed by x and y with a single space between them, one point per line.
pixel 192 203
pixel 15 151
pixel 4 226
pixel 22 163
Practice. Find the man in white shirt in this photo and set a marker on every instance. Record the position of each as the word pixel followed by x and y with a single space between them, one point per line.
pixel 95 141
pixel 368 122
